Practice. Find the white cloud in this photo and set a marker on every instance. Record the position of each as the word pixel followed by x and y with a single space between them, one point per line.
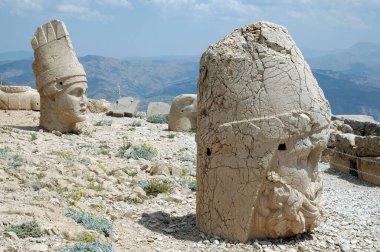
pixel 235 10
pixel 117 3
pixel 80 10
pixel 21 7
pixel 73 9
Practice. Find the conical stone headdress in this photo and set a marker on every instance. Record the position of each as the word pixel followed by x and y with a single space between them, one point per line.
pixel 54 56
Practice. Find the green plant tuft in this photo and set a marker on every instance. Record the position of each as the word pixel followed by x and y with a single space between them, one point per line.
pixel 89 247
pixel 104 149
pixel 124 147
pixel 158 119
pixel 189 183
pixel 135 200
pixel 91 221
pixel 26 229
pixel 68 155
pixel 102 123
pixel 154 187
pixel 86 237
pixel 33 137
pixel 144 151
pixel 136 123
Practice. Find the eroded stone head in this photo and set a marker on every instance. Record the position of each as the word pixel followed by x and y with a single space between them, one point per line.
pixel 262 124
pixel 183 113
pixel 60 78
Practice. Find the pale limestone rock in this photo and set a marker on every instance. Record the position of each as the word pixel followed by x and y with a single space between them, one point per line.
pixel 263 122
pixel 357 153
pixel 60 78
pixel 97 106
pixel 183 113
pixel 157 108
pixel 124 106
pixel 19 98
pixel 38 247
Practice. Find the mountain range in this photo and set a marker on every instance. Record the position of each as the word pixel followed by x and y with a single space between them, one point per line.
pixel 350 78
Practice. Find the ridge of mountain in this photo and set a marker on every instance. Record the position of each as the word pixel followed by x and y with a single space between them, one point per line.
pixel 351 88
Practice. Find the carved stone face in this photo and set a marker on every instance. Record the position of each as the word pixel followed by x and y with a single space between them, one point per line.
pixel 60 78
pixel 183 113
pixel 263 122
pixel 71 103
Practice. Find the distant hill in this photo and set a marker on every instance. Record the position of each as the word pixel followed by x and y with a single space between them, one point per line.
pixel 350 78
pixel 347 97
pixel 147 79
pixel 361 60
pixel 16 55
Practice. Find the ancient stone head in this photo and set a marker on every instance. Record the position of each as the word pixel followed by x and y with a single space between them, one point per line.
pixel 263 122
pixel 60 78
pixel 183 113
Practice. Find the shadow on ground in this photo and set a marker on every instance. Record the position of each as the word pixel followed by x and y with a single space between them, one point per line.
pixel 27 128
pixel 348 177
pixel 184 228
pixel 180 227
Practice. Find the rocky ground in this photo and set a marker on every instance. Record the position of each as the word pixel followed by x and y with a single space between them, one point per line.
pixel 95 179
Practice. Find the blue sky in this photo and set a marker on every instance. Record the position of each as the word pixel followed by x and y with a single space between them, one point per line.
pixel 124 28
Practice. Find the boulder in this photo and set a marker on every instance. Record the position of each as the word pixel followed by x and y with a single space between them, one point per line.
pixel 158 108
pixel 125 106
pixel 183 113
pixel 97 106
pixel 19 98
pixel 262 124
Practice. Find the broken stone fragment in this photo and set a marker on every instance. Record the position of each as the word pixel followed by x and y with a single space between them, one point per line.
pixel 19 98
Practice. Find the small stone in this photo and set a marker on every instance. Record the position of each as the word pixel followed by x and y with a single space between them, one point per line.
pixel 11 235
pixel 38 247
pixel 215 242
pixel 268 250
pixel 57 133
pixel 256 246
pixel 291 250
pixel 144 167
pixel 302 248
pixel 344 247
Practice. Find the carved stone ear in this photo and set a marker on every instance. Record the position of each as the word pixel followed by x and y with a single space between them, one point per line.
pixel 51 89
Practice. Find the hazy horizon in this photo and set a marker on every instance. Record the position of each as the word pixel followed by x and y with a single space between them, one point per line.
pixel 151 28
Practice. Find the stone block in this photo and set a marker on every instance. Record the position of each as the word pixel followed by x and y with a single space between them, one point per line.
pixel 125 106
pixel 158 108
pixel 19 98
pixel 369 169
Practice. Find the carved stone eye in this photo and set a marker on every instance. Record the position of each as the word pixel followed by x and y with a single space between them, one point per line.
pixel 282 147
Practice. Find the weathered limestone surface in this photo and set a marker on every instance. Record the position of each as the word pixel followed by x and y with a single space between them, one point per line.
pixel 124 106
pixel 97 106
pixel 263 122
pixel 60 78
pixel 355 151
pixel 158 108
pixel 19 98
pixel 183 113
